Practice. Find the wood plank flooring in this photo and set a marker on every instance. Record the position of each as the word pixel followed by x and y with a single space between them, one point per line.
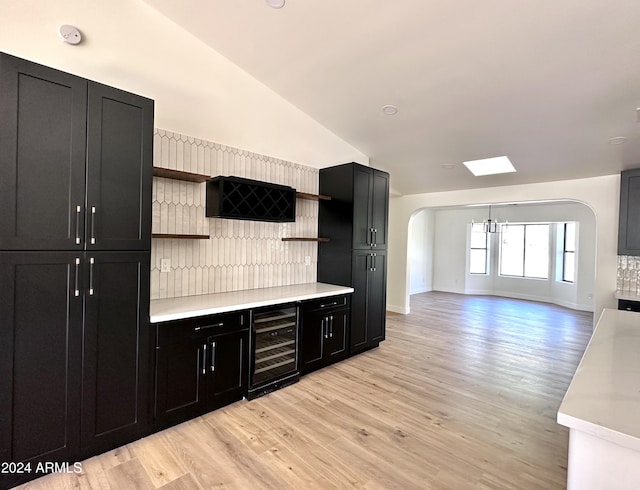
pixel 462 394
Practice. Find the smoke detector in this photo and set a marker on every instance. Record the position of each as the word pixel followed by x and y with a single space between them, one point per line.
pixel 275 4
pixel 70 34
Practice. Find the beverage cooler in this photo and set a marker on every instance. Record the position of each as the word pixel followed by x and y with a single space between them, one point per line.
pixel 274 360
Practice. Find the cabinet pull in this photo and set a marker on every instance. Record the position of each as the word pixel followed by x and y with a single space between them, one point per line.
pixel 371 269
pixel 91 262
pixel 375 262
pixel 197 329
pixel 78 211
pixel 371 237
pixel 331 326
pixel 325 327
pixel 375 237
pixel 213 356
pixel 93 222
pixel 77 271
pixel 204 358
pixel 329 304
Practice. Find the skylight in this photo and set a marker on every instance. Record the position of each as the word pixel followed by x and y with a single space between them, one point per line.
pixel 490 166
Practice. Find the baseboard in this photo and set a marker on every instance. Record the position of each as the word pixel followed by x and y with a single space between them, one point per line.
pixel 403 310
pixel 420 290
pixel 530 297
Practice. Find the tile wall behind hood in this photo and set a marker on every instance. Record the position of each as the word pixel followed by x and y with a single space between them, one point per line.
pixel 240 254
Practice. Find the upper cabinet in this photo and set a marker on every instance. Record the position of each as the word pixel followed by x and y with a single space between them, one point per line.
pixel 74 158
pixel 357 215
pixel 629 224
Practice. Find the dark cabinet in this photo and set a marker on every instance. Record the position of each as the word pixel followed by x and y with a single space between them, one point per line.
pixel 76 161
pixel 629 217
pixel 75 222
pixel 201 364
pixel 356 220
pixel 116 365
pixel 368 307
pixel 73 353
pixel 324 332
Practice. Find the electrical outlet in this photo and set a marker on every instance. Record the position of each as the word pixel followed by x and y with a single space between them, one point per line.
pixel 165 265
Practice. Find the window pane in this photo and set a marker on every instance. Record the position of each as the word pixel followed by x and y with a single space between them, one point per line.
pixel 570 237
pixel 568 272
pixel 478 261
pixel 478 236
pixel 536 262
pixel 512 250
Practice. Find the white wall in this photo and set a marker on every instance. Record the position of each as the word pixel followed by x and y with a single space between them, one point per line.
pixel 197 91
pixel 451 254
pixel 421 235
pixel 601 194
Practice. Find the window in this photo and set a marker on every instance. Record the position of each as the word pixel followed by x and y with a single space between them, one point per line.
pixel 478 249
pixel 569 252
pixel 524 251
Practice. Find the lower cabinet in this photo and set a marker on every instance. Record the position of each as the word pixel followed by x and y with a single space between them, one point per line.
pixel 324 332
pixel 201 365
pixel 74 365
pixel 368 303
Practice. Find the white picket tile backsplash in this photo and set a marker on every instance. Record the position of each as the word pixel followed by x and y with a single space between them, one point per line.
pixel 240 254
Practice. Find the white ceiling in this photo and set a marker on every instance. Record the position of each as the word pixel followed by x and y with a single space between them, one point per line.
pixel 545 83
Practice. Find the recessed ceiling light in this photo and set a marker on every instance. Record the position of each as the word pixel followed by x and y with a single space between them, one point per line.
pixel 275 4
pixel 389 110
pixel 617 140
pixel 490 166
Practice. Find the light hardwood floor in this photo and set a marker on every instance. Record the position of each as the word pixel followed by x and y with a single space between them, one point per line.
pixel 462 394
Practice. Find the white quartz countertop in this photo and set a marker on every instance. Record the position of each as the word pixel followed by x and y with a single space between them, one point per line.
pixel 163 310
pixel 603 399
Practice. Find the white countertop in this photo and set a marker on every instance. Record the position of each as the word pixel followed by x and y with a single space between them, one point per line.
pixel 603 399
pixel 163 310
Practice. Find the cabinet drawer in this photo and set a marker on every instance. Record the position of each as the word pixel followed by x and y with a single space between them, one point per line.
pixel 327 303
pixel 628 305
pixel 169 332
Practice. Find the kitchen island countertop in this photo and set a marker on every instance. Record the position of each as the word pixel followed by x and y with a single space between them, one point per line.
pixel 163 310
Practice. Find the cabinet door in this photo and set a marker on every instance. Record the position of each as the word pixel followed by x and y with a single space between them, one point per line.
pixel 629 220
pixel 359 311
pixel 42 157
pixel 180 380
pixel 336 340
pixel 362 201
pixel 312 336
pixel 227 365
pixel 116 349
pixel 376 299
pixel 40 356
pixel 380 208
pixel 119 170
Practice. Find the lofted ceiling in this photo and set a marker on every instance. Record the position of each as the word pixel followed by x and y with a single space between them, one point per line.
pixel 546 83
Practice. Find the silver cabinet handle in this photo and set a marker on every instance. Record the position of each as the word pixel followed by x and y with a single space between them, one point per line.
pixel 331 326
pixel 78 211
pixel 325 327
pixel 329 304
pixel 204 359
pixel 213 356
pixel 371 269
pixel 77 271
pixel 197 329
pixel 375 262
pixel 93 223
pixel 375 237
pixel 91 262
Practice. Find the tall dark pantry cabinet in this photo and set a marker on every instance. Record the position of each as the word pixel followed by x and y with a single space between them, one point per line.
pixel 355 220
pixel 75 214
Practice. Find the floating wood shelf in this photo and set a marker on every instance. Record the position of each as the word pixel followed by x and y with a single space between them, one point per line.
pixel 305 239
pixel 312 197
pixel 181 237
pixel 168 173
